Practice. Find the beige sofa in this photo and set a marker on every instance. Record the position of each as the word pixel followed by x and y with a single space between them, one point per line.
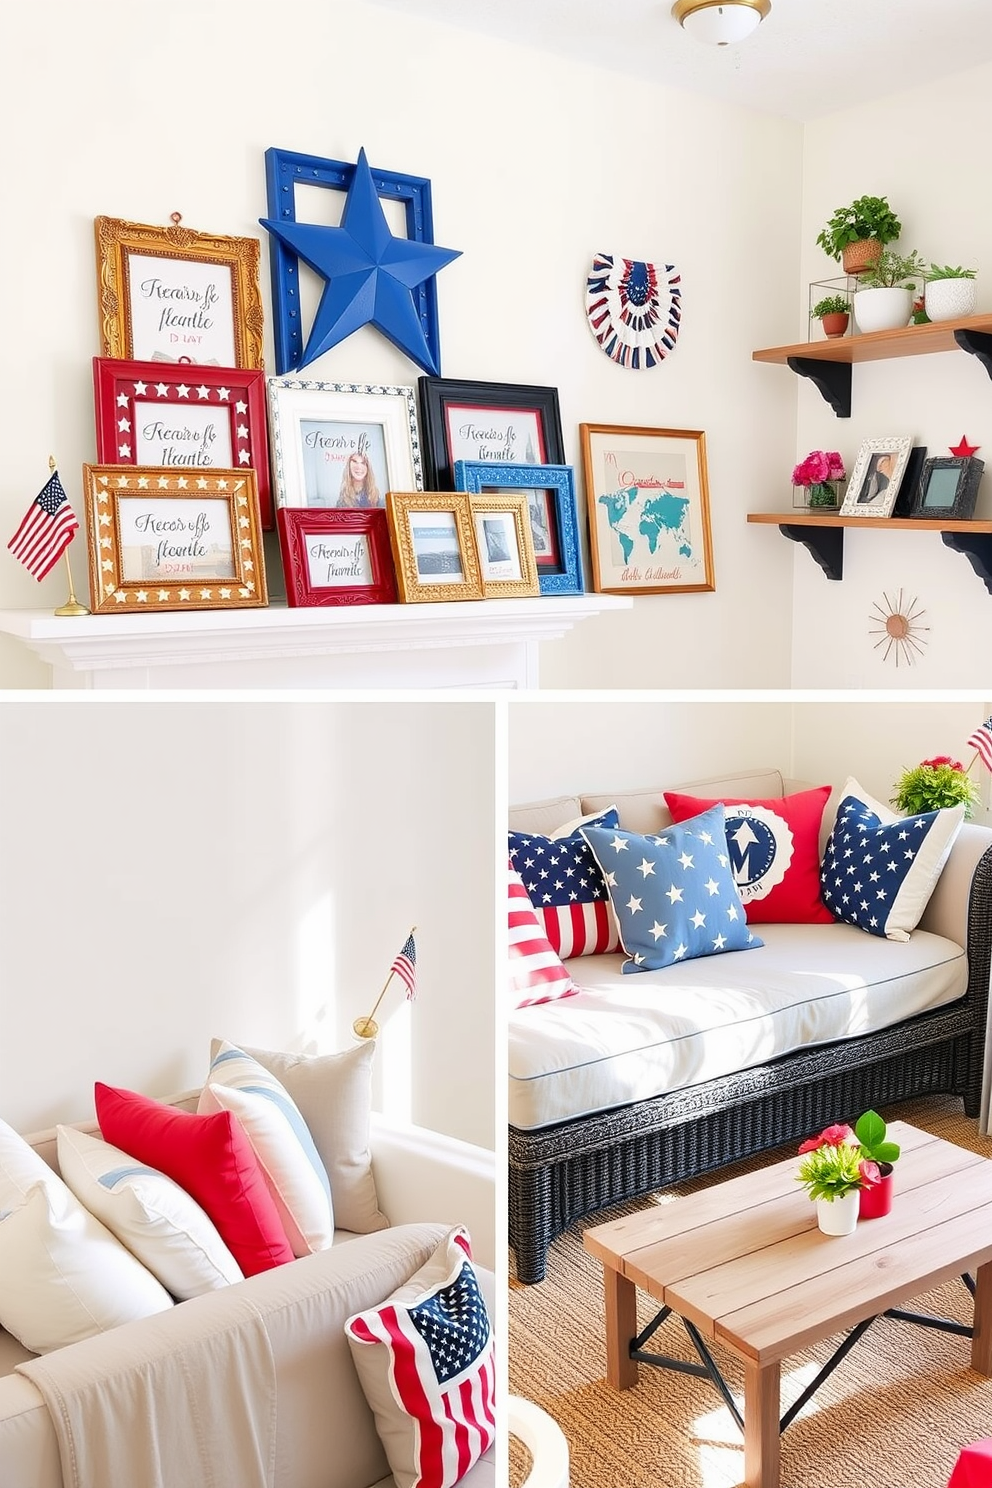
pixel 643 1080
pixel 325 1434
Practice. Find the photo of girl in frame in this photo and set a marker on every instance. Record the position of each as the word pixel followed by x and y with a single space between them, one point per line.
pixel 344 464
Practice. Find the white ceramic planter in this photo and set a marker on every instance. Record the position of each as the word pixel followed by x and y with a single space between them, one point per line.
pixel 950 299
pixel 883 309
pixel 839 1216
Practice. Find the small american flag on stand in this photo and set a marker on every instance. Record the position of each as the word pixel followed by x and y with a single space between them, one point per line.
pixel 47 529
pixel 981 740
pixel 405 966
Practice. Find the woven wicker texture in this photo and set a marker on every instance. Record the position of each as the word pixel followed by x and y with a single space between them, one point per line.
pixel 894 1414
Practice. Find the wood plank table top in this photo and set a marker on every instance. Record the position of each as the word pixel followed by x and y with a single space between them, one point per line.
pixel 745 1262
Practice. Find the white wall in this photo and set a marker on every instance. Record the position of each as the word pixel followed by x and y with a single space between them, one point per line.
pixel 173 871
pixel 536 163
pixel 924 150
pixel 597 746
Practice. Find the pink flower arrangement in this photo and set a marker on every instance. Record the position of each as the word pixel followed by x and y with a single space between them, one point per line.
pixel 943 759
pixel 841 1135
pixel 819 466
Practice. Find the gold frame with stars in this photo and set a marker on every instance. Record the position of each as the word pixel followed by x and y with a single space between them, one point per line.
pixel 233 494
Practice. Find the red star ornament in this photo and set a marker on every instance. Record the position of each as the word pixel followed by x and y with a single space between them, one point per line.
pixel 964 448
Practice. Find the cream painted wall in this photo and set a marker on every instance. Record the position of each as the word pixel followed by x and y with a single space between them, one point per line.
pixel 562 748
pixel 925 151
pixel 178 870
pixel 536 163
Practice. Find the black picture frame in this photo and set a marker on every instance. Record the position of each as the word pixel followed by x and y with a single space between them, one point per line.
pixel 948 488
pixel 439 397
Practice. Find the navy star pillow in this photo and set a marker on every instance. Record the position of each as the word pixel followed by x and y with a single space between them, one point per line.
pixel 879 869
pixel 674 895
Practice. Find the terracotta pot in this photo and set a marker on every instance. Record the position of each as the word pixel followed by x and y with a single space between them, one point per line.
pixel 876 1202
pixel 838 1216
pixel 836 324
pixel 857 257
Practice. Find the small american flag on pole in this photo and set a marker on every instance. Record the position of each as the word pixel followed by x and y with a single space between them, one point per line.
pixel 405 966
pixel 981 740
pixel 48 528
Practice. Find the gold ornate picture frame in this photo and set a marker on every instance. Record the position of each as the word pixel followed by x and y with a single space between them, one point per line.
pixel 173 295
pixel 505 545
pixel 433 541
pixel 162 539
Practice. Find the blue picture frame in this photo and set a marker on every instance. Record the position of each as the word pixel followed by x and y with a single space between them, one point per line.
pixel 565 575
pixel 287 169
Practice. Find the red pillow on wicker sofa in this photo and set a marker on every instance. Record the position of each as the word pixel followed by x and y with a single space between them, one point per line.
pixel 212 1159
pixel 774 848
pixel 536 971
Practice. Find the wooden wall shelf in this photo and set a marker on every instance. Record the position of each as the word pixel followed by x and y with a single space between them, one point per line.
pixel 823 536
pixel 828 363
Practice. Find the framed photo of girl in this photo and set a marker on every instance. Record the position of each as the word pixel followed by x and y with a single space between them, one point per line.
pixel 341 445
pixel 170 294
pixel 876 477
pixel 649 509
pixel 497 422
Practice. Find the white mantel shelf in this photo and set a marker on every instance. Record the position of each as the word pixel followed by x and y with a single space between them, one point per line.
pixel 491 644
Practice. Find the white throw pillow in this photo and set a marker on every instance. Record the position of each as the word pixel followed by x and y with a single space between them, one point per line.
pixel 63 1275
pixel 281 1141
pixel 149 1213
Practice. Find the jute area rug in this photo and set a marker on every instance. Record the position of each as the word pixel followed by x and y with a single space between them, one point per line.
pixel 893 1414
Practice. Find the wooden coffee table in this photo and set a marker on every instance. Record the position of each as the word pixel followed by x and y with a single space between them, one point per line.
pixel 744 1265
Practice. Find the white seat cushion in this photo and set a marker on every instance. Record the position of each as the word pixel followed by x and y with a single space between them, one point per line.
pixel 627 1038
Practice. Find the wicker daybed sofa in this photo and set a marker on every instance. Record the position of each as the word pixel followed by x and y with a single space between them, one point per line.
pixel 562 1170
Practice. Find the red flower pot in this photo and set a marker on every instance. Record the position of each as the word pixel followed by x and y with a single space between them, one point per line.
pixel 877 1201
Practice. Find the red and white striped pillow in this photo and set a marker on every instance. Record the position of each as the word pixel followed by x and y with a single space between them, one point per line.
pixel 536 972
pixel 566 886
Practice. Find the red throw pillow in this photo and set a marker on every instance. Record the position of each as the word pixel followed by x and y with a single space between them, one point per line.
pixel 536 971
pixel 212 1159
pixel 774 848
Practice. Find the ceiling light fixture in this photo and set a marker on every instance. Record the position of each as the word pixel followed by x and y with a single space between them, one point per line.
pixel 720 24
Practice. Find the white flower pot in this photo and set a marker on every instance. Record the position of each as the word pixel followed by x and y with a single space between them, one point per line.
pixel 950 299
pixel 883 309
pixel 839 1216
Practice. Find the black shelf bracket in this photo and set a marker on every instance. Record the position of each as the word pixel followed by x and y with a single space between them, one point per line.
pixel 976 547
pixel 833 379
pixel 825 543
pixel 979 343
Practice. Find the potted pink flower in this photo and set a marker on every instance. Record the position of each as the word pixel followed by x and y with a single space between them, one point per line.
pixel 834 1172
pixel 818 474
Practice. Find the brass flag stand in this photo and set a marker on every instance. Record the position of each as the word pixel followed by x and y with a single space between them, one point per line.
pixel 72 605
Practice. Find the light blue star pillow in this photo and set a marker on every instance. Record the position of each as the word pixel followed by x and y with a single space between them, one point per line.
pixel 879 869
pixel 674 894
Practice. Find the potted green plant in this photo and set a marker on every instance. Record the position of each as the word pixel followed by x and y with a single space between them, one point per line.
pixel 875 1200
pixel 856 234
pixel 833 312
pixel 833 1172
pixel 933 785
pixel 950 293
pixel 883 300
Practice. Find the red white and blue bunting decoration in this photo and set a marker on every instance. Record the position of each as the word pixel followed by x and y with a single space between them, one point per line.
pixel 634 309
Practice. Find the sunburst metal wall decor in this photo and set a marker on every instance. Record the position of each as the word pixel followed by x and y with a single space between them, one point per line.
pixel 896 622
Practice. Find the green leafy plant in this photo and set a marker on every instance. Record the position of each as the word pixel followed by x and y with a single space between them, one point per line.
pixel 831 1172
pixel 933 785
pixel 870 1131
pixel 837 304
pixel 867 217
pixel 936 271
pixel 893 270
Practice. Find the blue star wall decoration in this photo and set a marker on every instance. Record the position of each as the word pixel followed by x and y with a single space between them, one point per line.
pixel 372 277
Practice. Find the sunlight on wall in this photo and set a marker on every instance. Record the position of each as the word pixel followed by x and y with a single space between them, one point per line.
pixel 315 977
pixel 395 1053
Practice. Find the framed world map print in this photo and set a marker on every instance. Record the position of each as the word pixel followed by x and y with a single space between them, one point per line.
pixel 649 510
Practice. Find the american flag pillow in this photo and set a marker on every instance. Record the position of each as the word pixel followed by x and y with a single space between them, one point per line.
pixel 536 972
pixel 425 1361
pixel 566 886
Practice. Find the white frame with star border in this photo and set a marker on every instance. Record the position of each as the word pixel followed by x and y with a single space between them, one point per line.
pixel 620 465
pixel 348 411
pixel 153 413
pixel 162 539
pixel 173 295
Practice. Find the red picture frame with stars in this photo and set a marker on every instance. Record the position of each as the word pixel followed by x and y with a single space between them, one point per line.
pixel 183 415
